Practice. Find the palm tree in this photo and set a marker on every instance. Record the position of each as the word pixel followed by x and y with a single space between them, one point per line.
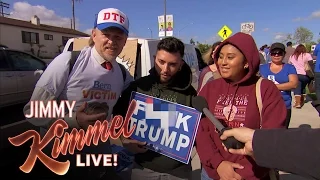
pixel 73 15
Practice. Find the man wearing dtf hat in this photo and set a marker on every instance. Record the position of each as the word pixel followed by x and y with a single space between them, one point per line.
pixel 94 77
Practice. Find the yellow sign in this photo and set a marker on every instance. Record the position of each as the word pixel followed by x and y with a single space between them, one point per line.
pixel 225 32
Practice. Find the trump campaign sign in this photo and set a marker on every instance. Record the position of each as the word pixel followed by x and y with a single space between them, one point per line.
pixel 168 128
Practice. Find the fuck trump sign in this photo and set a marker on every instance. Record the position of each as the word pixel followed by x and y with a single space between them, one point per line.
pixel 167 128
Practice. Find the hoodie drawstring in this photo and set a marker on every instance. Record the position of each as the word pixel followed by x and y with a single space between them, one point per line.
pixel 232 101
pixel 157 89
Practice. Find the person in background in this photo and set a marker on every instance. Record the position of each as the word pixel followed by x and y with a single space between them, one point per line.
pixel 262 55
pixel 298 60
pixel 267 51
pixel 269 148
pixel 201 62
pixel 232 99
pixel 210 72
pixel 170 79
pixel 289 52
pixel 284 76
pixel 316 54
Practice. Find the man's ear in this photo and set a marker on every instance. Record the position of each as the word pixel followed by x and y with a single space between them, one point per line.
pixel 181 65
pixel 183 61
pixel 154 60
pixel 93 32
pixel 126 40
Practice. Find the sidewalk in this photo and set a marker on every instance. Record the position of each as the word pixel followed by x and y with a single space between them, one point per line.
pixel 306 117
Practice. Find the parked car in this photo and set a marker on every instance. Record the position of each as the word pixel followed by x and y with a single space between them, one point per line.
pixel 3 46
pixel 19 73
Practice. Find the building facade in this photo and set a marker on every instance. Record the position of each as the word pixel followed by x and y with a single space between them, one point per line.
pixel 41 40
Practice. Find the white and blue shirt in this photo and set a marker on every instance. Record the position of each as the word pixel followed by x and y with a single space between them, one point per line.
pixel 316 52
pixel 280 78
pixel 87 82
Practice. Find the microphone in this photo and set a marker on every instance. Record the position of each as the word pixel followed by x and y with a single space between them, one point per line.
pixel 200 104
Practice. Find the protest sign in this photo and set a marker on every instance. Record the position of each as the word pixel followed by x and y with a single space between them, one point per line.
pixel 168 128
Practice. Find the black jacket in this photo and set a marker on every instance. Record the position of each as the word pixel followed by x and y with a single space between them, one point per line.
pixel 179 90
pixel 295 151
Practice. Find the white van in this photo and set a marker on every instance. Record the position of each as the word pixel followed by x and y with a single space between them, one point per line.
pixel 146 49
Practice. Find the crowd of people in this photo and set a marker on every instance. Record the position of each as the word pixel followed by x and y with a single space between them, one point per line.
pixel 228 83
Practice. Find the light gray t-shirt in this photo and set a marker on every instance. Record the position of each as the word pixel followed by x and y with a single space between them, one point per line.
pixel 88 81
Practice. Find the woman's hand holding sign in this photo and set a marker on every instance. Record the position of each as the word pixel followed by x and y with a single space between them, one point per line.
pixel 226 170
pixel 134 146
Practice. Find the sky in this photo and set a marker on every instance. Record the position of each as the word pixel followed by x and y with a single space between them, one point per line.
pixel 197 19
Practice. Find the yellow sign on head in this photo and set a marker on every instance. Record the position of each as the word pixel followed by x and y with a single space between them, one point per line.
pixel 225 32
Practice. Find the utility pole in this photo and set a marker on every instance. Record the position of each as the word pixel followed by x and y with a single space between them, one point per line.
pixel 73 16
pixel 3 5
pixel 73 13
pixel 165 18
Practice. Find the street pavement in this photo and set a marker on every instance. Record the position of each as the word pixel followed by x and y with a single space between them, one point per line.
pixel 305 116
pixel 13 157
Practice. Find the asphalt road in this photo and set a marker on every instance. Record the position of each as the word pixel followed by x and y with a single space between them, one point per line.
pixel 12 124
pixel 11 114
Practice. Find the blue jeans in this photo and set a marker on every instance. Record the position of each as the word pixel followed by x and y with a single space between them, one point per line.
pixel 317 84
pixel 204 175
pixel 316 103
pixel 303 81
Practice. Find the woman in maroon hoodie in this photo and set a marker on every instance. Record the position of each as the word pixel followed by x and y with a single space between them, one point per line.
pixel 238 63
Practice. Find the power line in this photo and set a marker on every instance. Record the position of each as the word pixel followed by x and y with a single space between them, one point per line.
pixel 3 5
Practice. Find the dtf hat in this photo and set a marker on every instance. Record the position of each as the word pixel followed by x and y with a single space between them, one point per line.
pixel 278 46
pixel 112 17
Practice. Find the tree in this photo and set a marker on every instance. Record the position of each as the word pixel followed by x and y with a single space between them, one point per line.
pixel 192 42
pixel 31 48
pixel 318 40
pixel 203 47
pixel 308 45
pixel 288 38
pixel 59 49
pixel 39 49
pixel 303 35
